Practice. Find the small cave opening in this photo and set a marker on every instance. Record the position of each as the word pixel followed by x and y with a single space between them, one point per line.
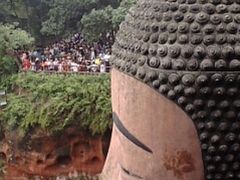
pixel 95 159
pixel 39 161
pixel 2 135
pixel 63 160
pixel 49 156
pixel 80 149
pixel 106 142
pixel 63 155
pixel 3 156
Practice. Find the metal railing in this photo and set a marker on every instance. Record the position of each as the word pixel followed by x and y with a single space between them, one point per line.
pixel 71 72
pixel 3 98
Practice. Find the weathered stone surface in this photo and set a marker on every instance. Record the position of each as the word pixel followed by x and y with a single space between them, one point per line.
pixel 174 151
pixel 188 51
pixel 43 155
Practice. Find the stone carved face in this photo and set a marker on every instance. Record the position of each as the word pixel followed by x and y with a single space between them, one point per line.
pixel 186 54
pixel 146 135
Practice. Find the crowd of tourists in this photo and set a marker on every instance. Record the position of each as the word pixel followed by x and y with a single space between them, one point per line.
pixel 70 55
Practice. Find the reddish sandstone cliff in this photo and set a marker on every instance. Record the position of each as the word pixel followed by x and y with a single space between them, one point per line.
pixel 42 155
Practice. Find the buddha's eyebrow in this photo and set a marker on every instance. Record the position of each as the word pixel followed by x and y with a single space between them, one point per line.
pixel 128 135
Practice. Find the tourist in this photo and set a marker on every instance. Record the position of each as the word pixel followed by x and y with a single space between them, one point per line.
pixel 26 64
pixel 37 64
pixel 93 67
pixel 73 54
pixel 102 67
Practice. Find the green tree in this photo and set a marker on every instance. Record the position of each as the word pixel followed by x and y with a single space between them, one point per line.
pixel 96 23
pixel 48 20
pixel 104 20
pixel 11 38
pixel 120 12
pixel 64 15
pixel 28 13
pixel 37 101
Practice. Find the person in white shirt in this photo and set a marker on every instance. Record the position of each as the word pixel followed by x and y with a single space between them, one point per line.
pixel 74 67
pixel 33 66
pixel 93 67
pixel 102 67
pixel 93 56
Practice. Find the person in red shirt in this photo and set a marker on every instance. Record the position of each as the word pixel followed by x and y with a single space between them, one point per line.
pixel 26 64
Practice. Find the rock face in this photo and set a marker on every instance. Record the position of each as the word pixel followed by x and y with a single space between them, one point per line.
pixel 189 52
pixel 42 155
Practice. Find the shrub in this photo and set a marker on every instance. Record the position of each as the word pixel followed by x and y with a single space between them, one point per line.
pixel 54 102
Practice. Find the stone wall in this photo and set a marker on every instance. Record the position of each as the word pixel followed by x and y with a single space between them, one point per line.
pixel 39 154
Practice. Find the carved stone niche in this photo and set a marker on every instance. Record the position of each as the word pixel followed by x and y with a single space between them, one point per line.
pixel 175 91
pixel 49 156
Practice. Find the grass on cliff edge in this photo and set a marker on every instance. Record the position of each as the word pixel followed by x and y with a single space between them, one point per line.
pixel 54 102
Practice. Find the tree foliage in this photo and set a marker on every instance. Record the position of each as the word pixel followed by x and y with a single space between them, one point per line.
pixel 7 66
pixel 11 38
pixel 49 19
pixel 28 13
pixel 100 21
pixel 120 12
pixel 54 102
pixel 64 14
pixel 96 23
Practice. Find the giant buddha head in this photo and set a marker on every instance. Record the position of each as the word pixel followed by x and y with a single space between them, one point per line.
pixel 175 92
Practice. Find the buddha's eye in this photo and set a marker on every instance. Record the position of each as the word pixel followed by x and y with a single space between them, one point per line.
pixel 128 173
